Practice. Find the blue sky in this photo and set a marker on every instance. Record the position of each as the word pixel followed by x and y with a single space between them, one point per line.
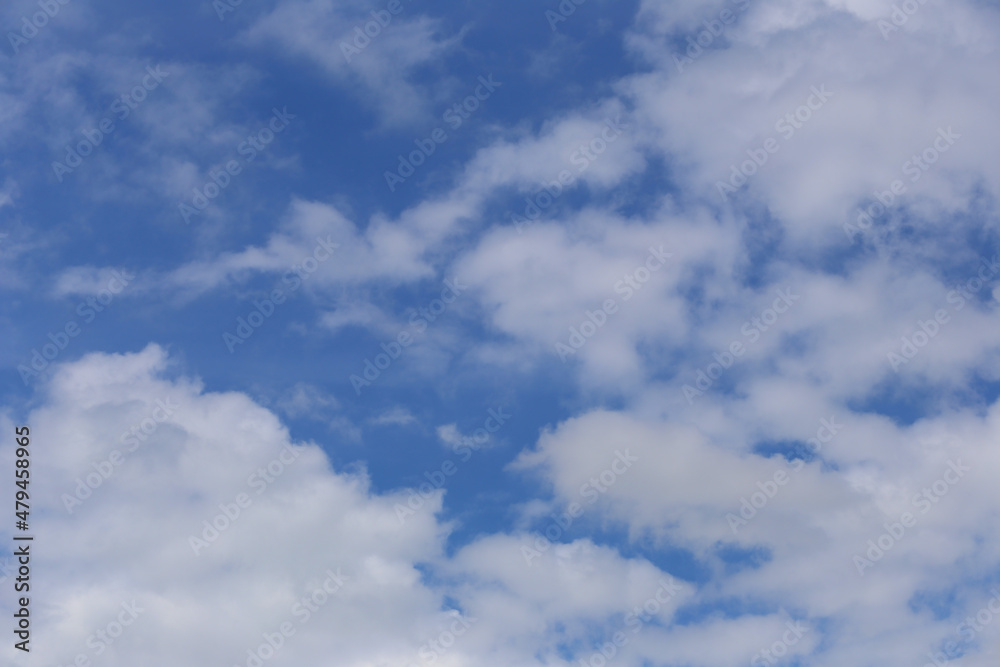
pixel 631 260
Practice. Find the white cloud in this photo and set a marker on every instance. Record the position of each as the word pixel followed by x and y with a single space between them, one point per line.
pixel 397 416
pixel 306 400
pixel 729 100
pixel 825 358
pixel 91 280
pixel 323 32
pixel 130 540
pixel 813 521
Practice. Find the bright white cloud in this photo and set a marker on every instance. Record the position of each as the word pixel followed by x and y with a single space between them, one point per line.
pixel 186 457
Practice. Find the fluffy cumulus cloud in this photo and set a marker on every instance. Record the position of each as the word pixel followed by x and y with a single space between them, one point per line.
pixel 139 504
pixel 185 525
pixel 182 524
pixel 850 543
pixel 830 95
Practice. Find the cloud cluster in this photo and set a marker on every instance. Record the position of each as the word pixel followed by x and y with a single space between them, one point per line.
pixel 766 257
pixel 217 530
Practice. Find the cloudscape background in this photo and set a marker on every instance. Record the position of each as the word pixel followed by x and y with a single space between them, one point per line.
pixel 384 333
